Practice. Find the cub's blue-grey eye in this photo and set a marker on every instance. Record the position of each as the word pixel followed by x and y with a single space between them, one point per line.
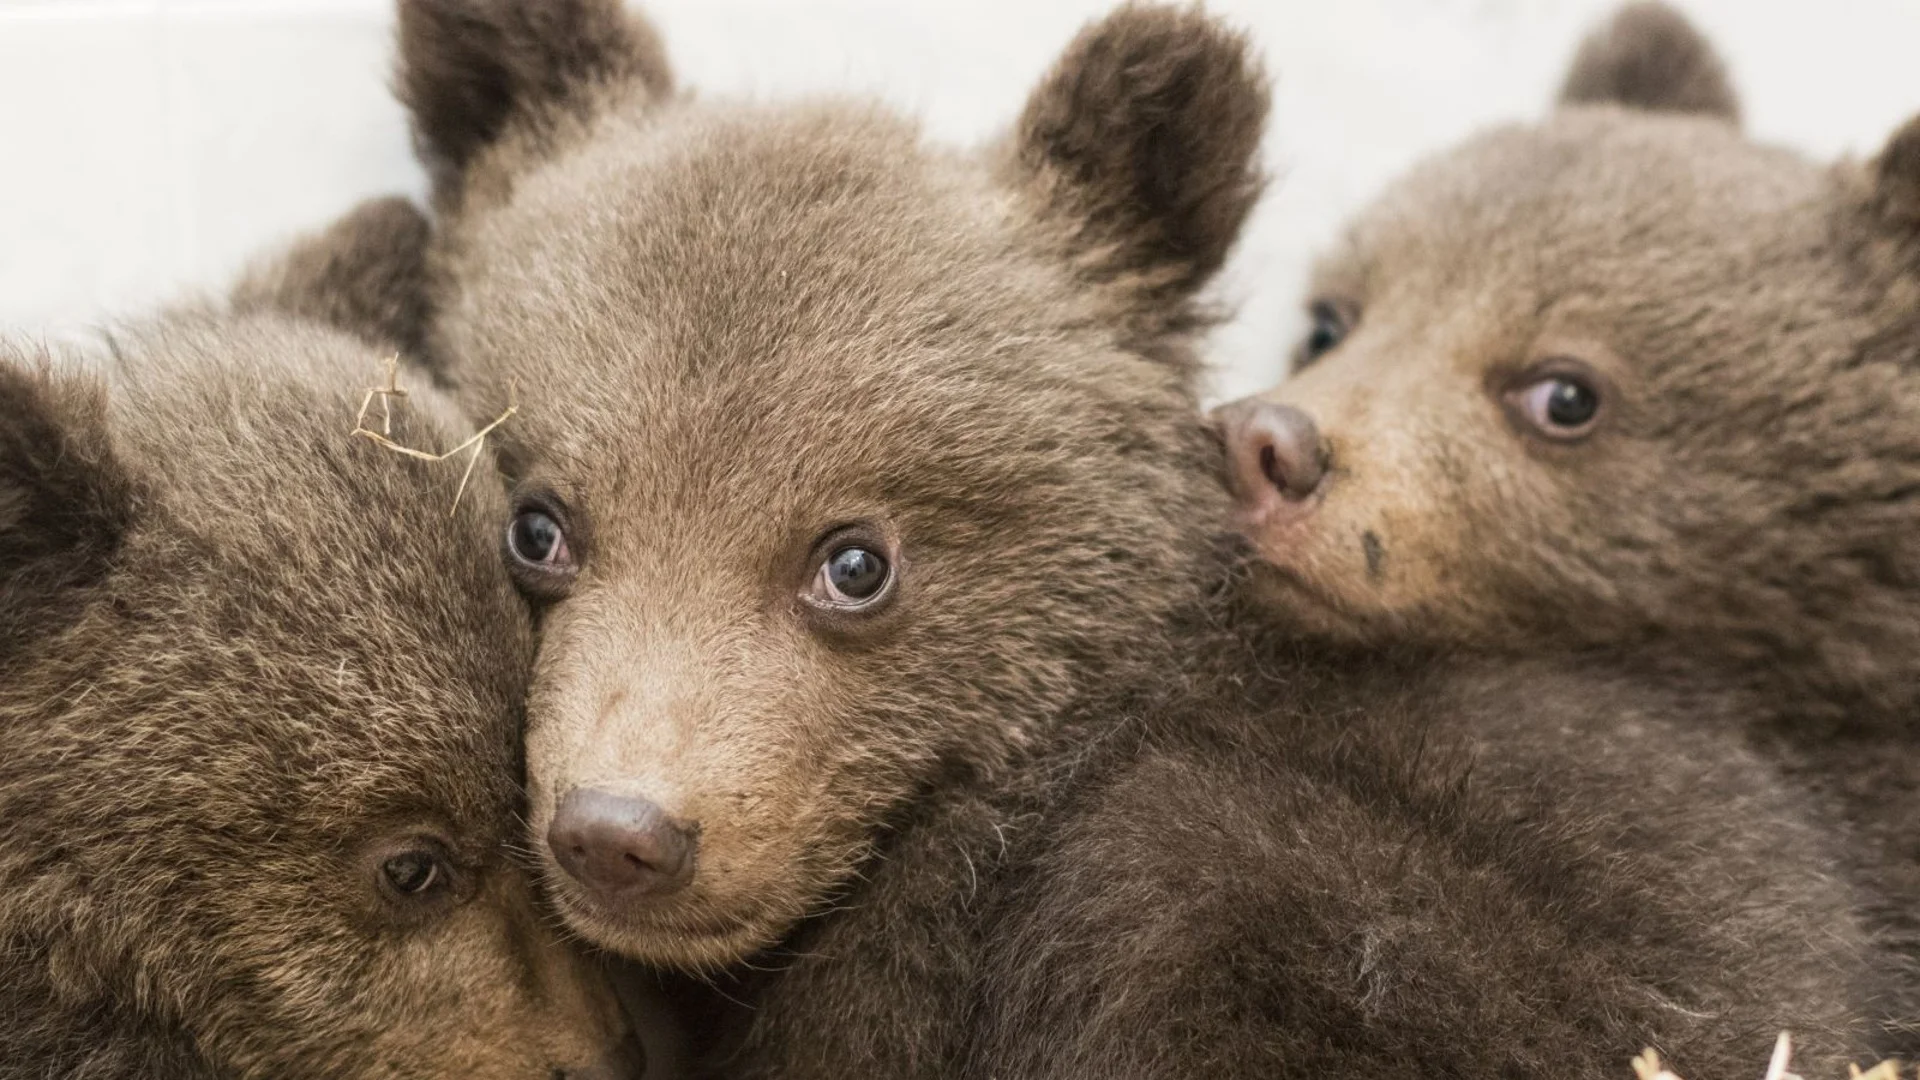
pixel 1328 326
pixel 854 575
pixel 536 538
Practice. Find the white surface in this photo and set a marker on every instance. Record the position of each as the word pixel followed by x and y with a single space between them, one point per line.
pixel 148 146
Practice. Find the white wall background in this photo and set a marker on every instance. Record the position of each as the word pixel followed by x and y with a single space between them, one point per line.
pixel 148 146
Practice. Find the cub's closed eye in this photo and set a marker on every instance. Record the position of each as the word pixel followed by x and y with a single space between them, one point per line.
pixel 1328 324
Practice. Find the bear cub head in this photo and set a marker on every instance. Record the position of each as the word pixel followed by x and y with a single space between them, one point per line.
pixel 849 464
pixel 260 700
pixel 1620 376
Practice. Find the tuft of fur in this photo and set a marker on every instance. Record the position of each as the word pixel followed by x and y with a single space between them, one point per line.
pixel 1045 812
pixel 247 660
pixel 1650 57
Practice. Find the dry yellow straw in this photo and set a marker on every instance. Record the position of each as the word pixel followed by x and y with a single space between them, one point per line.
pixel 1647 1066
pixel 386 394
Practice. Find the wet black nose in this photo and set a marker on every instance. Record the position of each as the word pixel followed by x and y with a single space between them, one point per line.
pixel 1272 447
pixel 620 846
pixel 627 1061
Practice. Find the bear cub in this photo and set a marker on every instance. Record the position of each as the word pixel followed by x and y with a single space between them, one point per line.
pixel 1625 381
pixel 260 699
pixel 889 678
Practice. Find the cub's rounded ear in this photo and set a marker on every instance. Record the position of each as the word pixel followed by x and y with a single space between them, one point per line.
pixel 1650 57
pixel 1896 180
pixel 365 274
pixel 472 69
pixel 64 501
pixel 1141 149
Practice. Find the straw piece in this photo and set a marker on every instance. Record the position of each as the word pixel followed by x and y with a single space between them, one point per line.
pixel 476 442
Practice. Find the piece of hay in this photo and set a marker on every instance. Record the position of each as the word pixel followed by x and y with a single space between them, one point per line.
pixel 383 437
pixel 1647 1066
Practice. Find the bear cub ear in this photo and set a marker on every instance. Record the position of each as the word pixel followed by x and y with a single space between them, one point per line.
pixel 365 274
pixel 470 68
pixel 1143 142
pixel 1896 178
pixel 1650 57
pixel 64 501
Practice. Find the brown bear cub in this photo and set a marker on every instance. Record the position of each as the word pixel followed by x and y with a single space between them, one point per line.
pixel 1625 380
pixel 889 675
pixel 1619 376
pixel 259 722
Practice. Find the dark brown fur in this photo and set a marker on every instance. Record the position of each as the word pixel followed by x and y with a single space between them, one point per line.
pixel 1747 503
pixel 365 274
pixel 1045 814
pixel 1650 58
pixel 246 658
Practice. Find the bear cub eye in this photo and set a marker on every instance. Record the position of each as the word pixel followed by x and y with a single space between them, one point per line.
pixel 413 871
pixel 856 575
pixel 535 537
pixel 541 558
pixel 1329 323
pixel 853 575
pixel 1559 404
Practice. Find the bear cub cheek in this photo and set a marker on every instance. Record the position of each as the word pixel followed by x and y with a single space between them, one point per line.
pixel 1309 501
pixel 1357 494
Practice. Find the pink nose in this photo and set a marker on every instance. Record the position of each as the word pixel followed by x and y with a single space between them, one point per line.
pixel 619 846
pixel 1271 449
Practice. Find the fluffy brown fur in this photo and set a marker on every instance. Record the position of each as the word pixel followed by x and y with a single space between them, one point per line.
pixel 1747 500
pixel 1040 812
pixel 1462 870
pixel 247 660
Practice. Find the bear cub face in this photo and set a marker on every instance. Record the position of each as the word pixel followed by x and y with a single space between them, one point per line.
pixel 259 731
pixel 822 504
pixel 1618 375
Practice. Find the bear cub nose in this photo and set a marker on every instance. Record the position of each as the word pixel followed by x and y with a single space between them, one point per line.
pixel 619 845
pixel 1272 447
